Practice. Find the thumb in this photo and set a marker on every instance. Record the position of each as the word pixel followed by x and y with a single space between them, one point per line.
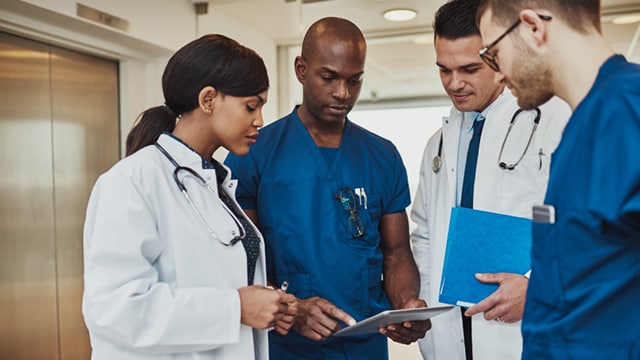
pixel 488 277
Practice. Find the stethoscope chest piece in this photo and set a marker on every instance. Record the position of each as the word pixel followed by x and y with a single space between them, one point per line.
pixel 436 164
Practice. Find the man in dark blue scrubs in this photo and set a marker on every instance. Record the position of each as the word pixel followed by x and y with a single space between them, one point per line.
pixel 584 290
pixel 330 199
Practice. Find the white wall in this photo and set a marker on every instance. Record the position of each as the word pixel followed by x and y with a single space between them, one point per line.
pixel 408 129
pixel 157 28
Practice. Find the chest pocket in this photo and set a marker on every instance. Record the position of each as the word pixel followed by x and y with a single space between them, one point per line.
pixel 358 216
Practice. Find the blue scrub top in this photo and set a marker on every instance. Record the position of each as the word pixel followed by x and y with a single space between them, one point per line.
pixel 286 178
pixel 584 291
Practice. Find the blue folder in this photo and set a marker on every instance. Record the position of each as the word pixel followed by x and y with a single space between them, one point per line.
pixel 482 242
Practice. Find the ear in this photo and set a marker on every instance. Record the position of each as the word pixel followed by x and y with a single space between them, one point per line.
pixel 499 77
pixel 300 67
pixel 536 27
pixel 206 99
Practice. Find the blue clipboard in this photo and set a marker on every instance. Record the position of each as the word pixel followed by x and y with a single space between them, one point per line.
pixel 482 242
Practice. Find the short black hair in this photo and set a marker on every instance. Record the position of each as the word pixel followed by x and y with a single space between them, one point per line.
pixel 456 19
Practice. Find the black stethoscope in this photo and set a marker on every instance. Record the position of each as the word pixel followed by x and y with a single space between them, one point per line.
pixel 242 232
pixel 436 164
pixel 536 121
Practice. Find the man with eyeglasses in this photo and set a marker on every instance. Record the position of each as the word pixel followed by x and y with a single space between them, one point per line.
pixel 488 155
pixel 330 200
pixel 583 296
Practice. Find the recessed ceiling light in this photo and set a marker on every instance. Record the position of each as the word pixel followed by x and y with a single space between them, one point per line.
pixel 400 14
pixel 626 19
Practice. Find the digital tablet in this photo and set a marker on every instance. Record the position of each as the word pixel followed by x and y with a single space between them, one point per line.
pixel 388 317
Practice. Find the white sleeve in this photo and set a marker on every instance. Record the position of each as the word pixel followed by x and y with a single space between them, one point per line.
pixel 420 238
pixel 124 302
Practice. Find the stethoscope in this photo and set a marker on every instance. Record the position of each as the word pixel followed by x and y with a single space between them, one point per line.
pixel 183 190
pixel 504 165
pixel 436 164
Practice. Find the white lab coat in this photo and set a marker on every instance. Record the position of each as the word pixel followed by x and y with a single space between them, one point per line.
pixel 157 284
pixel 510 192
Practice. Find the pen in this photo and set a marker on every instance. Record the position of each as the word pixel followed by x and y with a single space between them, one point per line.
pixel 283 288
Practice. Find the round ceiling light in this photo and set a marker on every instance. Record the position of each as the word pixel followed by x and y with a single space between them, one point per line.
pixel 626 19
pixel 400 14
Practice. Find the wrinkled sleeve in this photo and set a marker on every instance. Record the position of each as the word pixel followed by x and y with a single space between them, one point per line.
pixel 420 238
pixel 124 302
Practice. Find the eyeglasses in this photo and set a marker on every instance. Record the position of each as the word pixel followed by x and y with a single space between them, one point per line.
pixel 489 58
pixel 348 201
pixel 536 121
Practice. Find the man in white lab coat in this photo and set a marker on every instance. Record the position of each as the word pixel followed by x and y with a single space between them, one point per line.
pixel 478 95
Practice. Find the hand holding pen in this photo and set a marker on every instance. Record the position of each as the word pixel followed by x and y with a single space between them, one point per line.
pixel 263 307
pixel 287 320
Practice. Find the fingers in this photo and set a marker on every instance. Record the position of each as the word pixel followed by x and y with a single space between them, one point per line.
pixel 286 298
pixel 317 318
pixel 263 307
pixel 284 324
pixel 409 331
pixel 482 306
pixel 414 304
pixel 342 316
pixel 507 302
pixel 490 278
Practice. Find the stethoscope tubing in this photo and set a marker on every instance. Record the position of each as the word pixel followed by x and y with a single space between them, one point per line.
pixel 437 160
pixel 184 191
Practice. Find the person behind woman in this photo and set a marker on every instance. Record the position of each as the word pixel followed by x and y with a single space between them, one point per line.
pixel 173 268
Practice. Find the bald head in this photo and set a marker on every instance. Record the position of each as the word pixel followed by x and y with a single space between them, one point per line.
pixel 332 29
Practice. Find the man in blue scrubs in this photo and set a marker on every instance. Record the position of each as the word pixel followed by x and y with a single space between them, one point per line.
pixel 330 200
pixel 584 289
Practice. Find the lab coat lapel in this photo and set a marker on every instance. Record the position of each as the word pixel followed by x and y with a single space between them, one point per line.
pixel 451 138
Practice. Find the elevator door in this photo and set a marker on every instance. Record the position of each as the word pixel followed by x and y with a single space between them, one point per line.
pixel 58 131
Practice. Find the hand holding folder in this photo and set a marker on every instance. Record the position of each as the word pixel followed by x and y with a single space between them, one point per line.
pixel 482 242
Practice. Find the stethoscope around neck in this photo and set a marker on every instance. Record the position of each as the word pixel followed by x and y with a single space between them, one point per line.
pixel 242 232
pixel 436 164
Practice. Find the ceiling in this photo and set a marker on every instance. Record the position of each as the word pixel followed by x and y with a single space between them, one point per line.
pixel 398 68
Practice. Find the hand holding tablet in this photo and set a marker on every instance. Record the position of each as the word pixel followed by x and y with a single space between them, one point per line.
pixel 388 317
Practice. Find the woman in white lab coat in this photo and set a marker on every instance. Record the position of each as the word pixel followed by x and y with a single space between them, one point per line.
pixel 506 191
pixel 173 268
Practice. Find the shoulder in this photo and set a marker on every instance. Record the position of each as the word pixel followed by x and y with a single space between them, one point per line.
pixel 614 94
pixel 504 106
pixel 276 125
pixel 270 134
pixel 369 138
pixel 134 169
pixel 618 81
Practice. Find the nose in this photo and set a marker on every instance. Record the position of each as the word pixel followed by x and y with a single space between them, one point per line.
pixel 258 121
pixel 341 90
pixel 457 81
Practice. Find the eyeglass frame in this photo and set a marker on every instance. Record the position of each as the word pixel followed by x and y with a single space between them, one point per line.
pixel 348 202
pixel 503 165
pixel 490 59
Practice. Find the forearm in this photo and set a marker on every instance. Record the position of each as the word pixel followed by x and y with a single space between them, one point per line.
pixel 401 277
